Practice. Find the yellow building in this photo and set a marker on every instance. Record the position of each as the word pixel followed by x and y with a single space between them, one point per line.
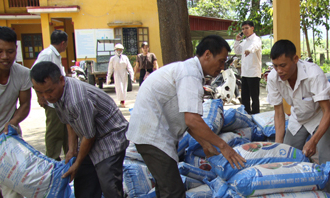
pixel 133 21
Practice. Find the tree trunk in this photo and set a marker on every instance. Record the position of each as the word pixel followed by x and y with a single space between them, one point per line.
pixel 307 42
pixel 174 30
pixel 314 49
pixel 327 39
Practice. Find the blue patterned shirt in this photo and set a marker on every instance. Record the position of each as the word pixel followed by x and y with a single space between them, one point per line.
pixel 93 113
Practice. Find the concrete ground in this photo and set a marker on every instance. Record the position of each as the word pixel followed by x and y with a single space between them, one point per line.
pixel 33 127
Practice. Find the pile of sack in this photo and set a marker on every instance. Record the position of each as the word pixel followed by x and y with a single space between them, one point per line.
pixel 271 169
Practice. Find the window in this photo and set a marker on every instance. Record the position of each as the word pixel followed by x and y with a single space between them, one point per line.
pixel 132 38
pixel 32 45
pixel 23 3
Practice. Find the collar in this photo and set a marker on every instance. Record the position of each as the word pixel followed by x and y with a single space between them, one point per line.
pixel 54 50
pixel 200 68
pixel 251 36
pixel 61 101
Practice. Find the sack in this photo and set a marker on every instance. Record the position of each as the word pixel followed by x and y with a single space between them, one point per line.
pixel 146 75
pixel 29 172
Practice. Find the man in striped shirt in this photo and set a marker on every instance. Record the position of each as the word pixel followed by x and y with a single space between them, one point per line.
pixel 93 116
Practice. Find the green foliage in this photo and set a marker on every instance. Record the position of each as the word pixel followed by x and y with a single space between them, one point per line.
pixel 265 51
pixel 326 66
pixel 261 14
pixel 213 8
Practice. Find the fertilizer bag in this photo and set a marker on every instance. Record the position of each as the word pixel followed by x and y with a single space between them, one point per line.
pixel 29 172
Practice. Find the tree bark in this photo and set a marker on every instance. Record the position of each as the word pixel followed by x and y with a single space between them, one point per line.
pixel 175 37
pixel 327 39
pixel 307 42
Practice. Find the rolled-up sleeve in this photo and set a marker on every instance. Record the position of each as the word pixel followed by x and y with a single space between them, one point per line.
pixel 190 94
pixel 274 96
pixel 320 88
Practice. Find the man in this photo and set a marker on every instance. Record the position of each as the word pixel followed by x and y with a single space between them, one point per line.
pixel 146 62
pixel 15 85
pixel 304 86
pixel 94 117
pixel 56 135
pixel 119 64
pixel 169 101
pixel 250 49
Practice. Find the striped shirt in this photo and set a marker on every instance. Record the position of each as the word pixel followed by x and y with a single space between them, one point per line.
pixel 93 113
pixel 163 98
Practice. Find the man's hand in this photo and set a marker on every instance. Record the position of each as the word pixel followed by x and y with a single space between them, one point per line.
pixel 309 148
pixel 42 101
pixel 238 37
pixel 5 130
pixel 72 171
pixel 247 52
pixel 69 155
pixel 232 157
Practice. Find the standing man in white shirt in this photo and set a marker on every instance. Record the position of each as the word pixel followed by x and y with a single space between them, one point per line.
pixel 305 87
pixel 250 49
pixel 169 102
pixel 56 135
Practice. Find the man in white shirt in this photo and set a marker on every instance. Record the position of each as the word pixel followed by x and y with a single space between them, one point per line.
pixel 56 135
pixel 305 87
pixel 250 49
pixel 15 85
pixel 168 102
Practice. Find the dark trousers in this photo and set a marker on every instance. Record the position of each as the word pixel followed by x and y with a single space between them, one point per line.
pixel 105 177
pixel 56 136
pixel 165 171
pixel 142 74
pixel 251 89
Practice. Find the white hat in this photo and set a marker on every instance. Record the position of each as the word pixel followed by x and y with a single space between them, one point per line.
pixel 119 46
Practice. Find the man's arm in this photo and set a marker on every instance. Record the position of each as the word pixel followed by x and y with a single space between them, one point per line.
pixel 73 144
pixel 85 147
pixel 155 63
pixel 279 119
pixel 22 112
pixel 203 134
pixel 310 147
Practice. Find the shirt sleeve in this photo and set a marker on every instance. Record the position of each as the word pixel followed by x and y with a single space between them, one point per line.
pixel 43 57
pixel 190 94
pixel 83 117
pixel 256 45
pixel 320 88
pixel 237 47
pixel 274 96
pixel 26 81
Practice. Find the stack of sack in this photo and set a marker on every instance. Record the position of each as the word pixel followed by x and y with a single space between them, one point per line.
pixel 271 169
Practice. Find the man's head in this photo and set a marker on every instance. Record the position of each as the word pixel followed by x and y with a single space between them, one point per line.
pixel 284 58
pixel 145 47
pixel 47 81
pixel 212 52
pixel 247 28
pixel 119 49
pixel 59 40
pixel 8 47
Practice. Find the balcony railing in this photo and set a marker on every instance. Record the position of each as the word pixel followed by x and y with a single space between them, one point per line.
pixel 22 3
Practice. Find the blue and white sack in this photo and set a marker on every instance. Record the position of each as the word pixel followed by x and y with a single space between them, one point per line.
pixel 266 122
pixel 202 191
pixel 132 153
pixel 190 183
pixel 183 144
pixel 256 153
pixel 197 161
pixel 213 114
pixel 137 180
pixel 29 172
pixel 280 178
pixel 194 172
pixel 233 119
pixel 305 194
pixel 251 133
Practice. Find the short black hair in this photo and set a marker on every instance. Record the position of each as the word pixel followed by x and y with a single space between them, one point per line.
pixel 250 23
pixel 45 69
pixel 7 34
pixel 144 44
pixel 214 43
pixel 283 47
pixel 58 36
